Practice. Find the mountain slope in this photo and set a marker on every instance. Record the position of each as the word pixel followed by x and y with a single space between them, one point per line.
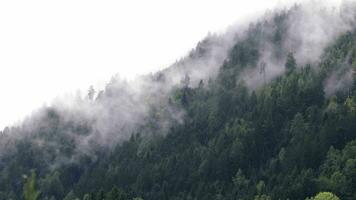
pixel 271 115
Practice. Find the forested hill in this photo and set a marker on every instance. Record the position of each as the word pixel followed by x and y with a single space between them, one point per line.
pixel 265 112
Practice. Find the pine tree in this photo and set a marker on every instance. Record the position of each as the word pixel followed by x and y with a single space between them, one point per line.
pixel 29 188
pixel 291 63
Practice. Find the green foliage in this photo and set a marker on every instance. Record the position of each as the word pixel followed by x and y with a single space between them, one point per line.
pixel 52 185
pixel 116 194
pixel 88 197
pixel 325 196
pixel 29 189
pixel 262 197
pixel 338 171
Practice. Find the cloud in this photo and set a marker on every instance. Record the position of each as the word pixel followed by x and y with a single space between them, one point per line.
pixel 304 30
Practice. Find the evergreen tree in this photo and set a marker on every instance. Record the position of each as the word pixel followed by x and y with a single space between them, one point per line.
pixel 29 189
pixel 291 63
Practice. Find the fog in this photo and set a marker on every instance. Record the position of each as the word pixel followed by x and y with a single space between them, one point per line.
pixel 310 28
pixel 51 49
pixel 129 104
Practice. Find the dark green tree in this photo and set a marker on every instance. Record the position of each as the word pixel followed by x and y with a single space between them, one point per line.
pixel 291 63
pixel 29 188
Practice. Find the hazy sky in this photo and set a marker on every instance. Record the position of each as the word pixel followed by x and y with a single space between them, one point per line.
pixel 49 48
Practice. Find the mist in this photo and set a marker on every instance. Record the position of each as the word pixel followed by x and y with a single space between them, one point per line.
pixel 49 49
pixel 309 28
pixel 104 117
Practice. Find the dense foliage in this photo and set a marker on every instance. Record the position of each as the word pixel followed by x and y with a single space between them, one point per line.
pixel 287 139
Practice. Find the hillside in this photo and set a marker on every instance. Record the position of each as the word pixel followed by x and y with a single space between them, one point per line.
pixel 266 112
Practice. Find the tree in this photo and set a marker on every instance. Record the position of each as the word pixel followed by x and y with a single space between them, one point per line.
pixel 88 197
pixel 241 184
pixel 100 195
pixel 29 188
pixel 263 71
pixel 325 196
pixel 185 81
pixel 91 93
pixel 116 194
pixel 262 197
pixel 70 196
pixel 52 185
pixel 260 187
pixel 240 180
pixel 291 63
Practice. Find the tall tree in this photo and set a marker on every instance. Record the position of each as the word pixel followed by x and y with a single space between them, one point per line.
pixel 291 63
pixel 29 189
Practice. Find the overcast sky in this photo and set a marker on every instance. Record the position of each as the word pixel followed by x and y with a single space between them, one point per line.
pixel 49 48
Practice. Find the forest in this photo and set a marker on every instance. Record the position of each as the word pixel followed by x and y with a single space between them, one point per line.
pixel 262 113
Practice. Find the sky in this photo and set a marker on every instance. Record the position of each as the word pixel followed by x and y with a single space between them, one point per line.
pixel 51 48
